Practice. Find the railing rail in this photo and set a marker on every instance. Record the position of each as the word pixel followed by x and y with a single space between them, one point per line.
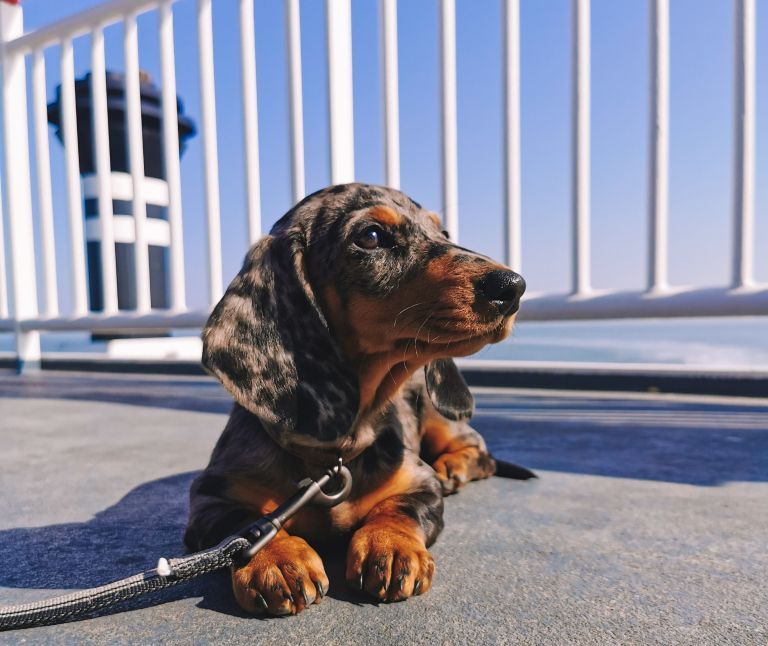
pixel 85 22
pixel 19 285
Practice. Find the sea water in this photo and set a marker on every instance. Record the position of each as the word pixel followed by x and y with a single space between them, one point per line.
pixel 741 342
pixel 736 342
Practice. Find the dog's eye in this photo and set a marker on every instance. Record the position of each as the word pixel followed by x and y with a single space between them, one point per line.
pixel 446 234
pixel 373 238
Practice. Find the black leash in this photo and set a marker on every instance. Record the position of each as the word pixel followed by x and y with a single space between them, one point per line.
pixel 170 572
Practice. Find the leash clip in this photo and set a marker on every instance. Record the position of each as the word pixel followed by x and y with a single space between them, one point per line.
pixel 266 528
pixel 337 474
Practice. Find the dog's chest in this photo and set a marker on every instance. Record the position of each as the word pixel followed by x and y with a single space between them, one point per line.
pixel 389 467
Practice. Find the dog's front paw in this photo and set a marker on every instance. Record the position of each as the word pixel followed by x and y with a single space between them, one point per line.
pixel 282 579
pixel 388 562
pixel 456 468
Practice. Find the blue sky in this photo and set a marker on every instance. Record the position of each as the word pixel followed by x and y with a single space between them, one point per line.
pixel 701 127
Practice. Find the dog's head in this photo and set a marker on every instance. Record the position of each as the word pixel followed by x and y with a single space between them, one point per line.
pixel 354 289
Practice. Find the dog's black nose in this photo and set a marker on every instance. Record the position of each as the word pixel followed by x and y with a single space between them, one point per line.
pixel 502 289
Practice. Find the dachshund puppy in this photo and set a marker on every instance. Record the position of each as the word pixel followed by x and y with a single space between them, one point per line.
pixel 336 339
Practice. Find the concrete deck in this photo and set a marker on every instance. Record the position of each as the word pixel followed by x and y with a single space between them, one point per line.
pixel 648 525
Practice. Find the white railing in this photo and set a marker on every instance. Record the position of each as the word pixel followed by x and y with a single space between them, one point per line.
pixel 19 311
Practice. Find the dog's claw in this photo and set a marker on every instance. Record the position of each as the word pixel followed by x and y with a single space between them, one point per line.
pixel 417 586
pixel 321 591
pixel 300 583
pixel 260 601
pixel 360 581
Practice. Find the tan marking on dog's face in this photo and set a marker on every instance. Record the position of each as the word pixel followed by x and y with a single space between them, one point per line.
pixel 386 216
pixel 437 306
pixel 431 316
pixel 393 307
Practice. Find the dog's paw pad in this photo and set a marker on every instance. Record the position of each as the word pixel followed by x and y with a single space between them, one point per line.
pixel 282 579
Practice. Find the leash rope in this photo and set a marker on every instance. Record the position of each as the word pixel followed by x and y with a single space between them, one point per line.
pixel 171 572
pixel 69 606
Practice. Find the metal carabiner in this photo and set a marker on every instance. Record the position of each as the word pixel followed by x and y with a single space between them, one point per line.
pixel 323 499
pixel 266 528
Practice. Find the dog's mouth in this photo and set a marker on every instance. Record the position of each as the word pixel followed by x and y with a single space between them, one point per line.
pixel 451 321
pixel 458 336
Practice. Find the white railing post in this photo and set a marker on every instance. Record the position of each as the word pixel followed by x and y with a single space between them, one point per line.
pixel 44 191
pixel 659 146
pixel 210 148
pixel 72 174
pixel 103 168
pixel 3 276
pixel 136 161
pixel 295 96
pixel 389 74
pixel 18 194
pixel 449 139
pixel 171 153
pixel 250 119
pixel 511 38
pixel 744 143
pixel 580 150
pixel 340 106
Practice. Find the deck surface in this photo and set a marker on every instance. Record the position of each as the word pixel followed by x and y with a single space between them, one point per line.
pixel 648 525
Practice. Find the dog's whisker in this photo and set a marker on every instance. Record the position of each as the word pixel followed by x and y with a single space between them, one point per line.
pixel 405 351
pixel 405 309
pixel 423 323
pixel 391 376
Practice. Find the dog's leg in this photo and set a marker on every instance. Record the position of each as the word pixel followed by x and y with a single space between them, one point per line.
pixel 387 556
pixel 285 577
pixel 456 451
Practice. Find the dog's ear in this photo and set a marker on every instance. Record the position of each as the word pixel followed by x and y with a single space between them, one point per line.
pixel 448 390
pixel 268 343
